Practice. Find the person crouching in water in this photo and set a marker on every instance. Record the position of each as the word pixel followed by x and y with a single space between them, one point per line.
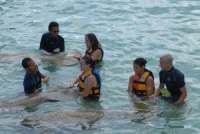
pixel 89 80
pixel 141 84
pixel 33 78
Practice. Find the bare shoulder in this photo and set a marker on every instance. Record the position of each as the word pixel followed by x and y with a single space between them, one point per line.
pixel 131 77
pixel 91 77
pixel 98 51
pixel 149 78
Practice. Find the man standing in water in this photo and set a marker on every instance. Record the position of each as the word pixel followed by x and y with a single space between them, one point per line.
pixel 33 78
pixel 173 79
pixel 51 42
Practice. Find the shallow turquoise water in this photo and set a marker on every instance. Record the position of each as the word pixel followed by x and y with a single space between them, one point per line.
pixel 126 29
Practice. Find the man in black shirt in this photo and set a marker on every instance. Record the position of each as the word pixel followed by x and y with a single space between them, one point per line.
pixel 51 42
pixel 173 79
pixel 33 78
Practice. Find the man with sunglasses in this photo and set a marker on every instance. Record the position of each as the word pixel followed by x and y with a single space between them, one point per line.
pixel 33 78
pixel 51 42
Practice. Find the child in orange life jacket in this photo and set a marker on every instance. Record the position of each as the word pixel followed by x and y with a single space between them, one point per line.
pixel 89 80
pixel 141 84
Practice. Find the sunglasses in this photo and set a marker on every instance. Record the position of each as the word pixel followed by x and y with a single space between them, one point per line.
pixel 56 31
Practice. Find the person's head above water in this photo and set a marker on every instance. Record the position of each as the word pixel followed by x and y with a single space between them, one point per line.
pixel 86 63
pixel 166 62
pixel 53 28
pixel 139 65
pixel 140 61
pixel 29 65
pixel 91 41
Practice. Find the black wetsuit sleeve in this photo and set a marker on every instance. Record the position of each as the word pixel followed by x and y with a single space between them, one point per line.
pixel 161 73
pixel 42 42
pixel 62 45
pixel 180 80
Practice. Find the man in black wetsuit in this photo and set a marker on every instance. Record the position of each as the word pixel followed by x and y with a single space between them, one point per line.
pixel 33 78
pixel 173 79
pixel 51 42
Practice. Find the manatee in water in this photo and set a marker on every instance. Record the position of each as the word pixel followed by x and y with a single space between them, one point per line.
pixel 64 60
pixel 59 94
pixel 82 119
pixel 79 118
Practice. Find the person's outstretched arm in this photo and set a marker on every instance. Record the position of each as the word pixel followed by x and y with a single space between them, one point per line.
pixel 130 89
pixel 157 91
pixel 75 81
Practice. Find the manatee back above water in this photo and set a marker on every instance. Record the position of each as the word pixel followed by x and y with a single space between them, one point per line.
pixel 58 94
pixel 64 60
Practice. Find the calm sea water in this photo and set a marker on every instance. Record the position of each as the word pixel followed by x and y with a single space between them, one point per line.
pixel 126 29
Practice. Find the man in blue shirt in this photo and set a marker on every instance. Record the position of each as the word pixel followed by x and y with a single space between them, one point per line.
pixel 33 78
pixel 51 42
pixel 173 79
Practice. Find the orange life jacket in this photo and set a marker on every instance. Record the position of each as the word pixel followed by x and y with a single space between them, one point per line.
pixel 139 84
pixel 95 91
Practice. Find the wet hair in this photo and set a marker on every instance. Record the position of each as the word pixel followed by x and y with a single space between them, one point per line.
pixel 167 57
pixel 93 40
pixel 53 24
pixel 140 61
pixel 88 60
pixel 25 62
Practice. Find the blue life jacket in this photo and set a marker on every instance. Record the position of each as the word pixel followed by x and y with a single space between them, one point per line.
pixel 96 73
